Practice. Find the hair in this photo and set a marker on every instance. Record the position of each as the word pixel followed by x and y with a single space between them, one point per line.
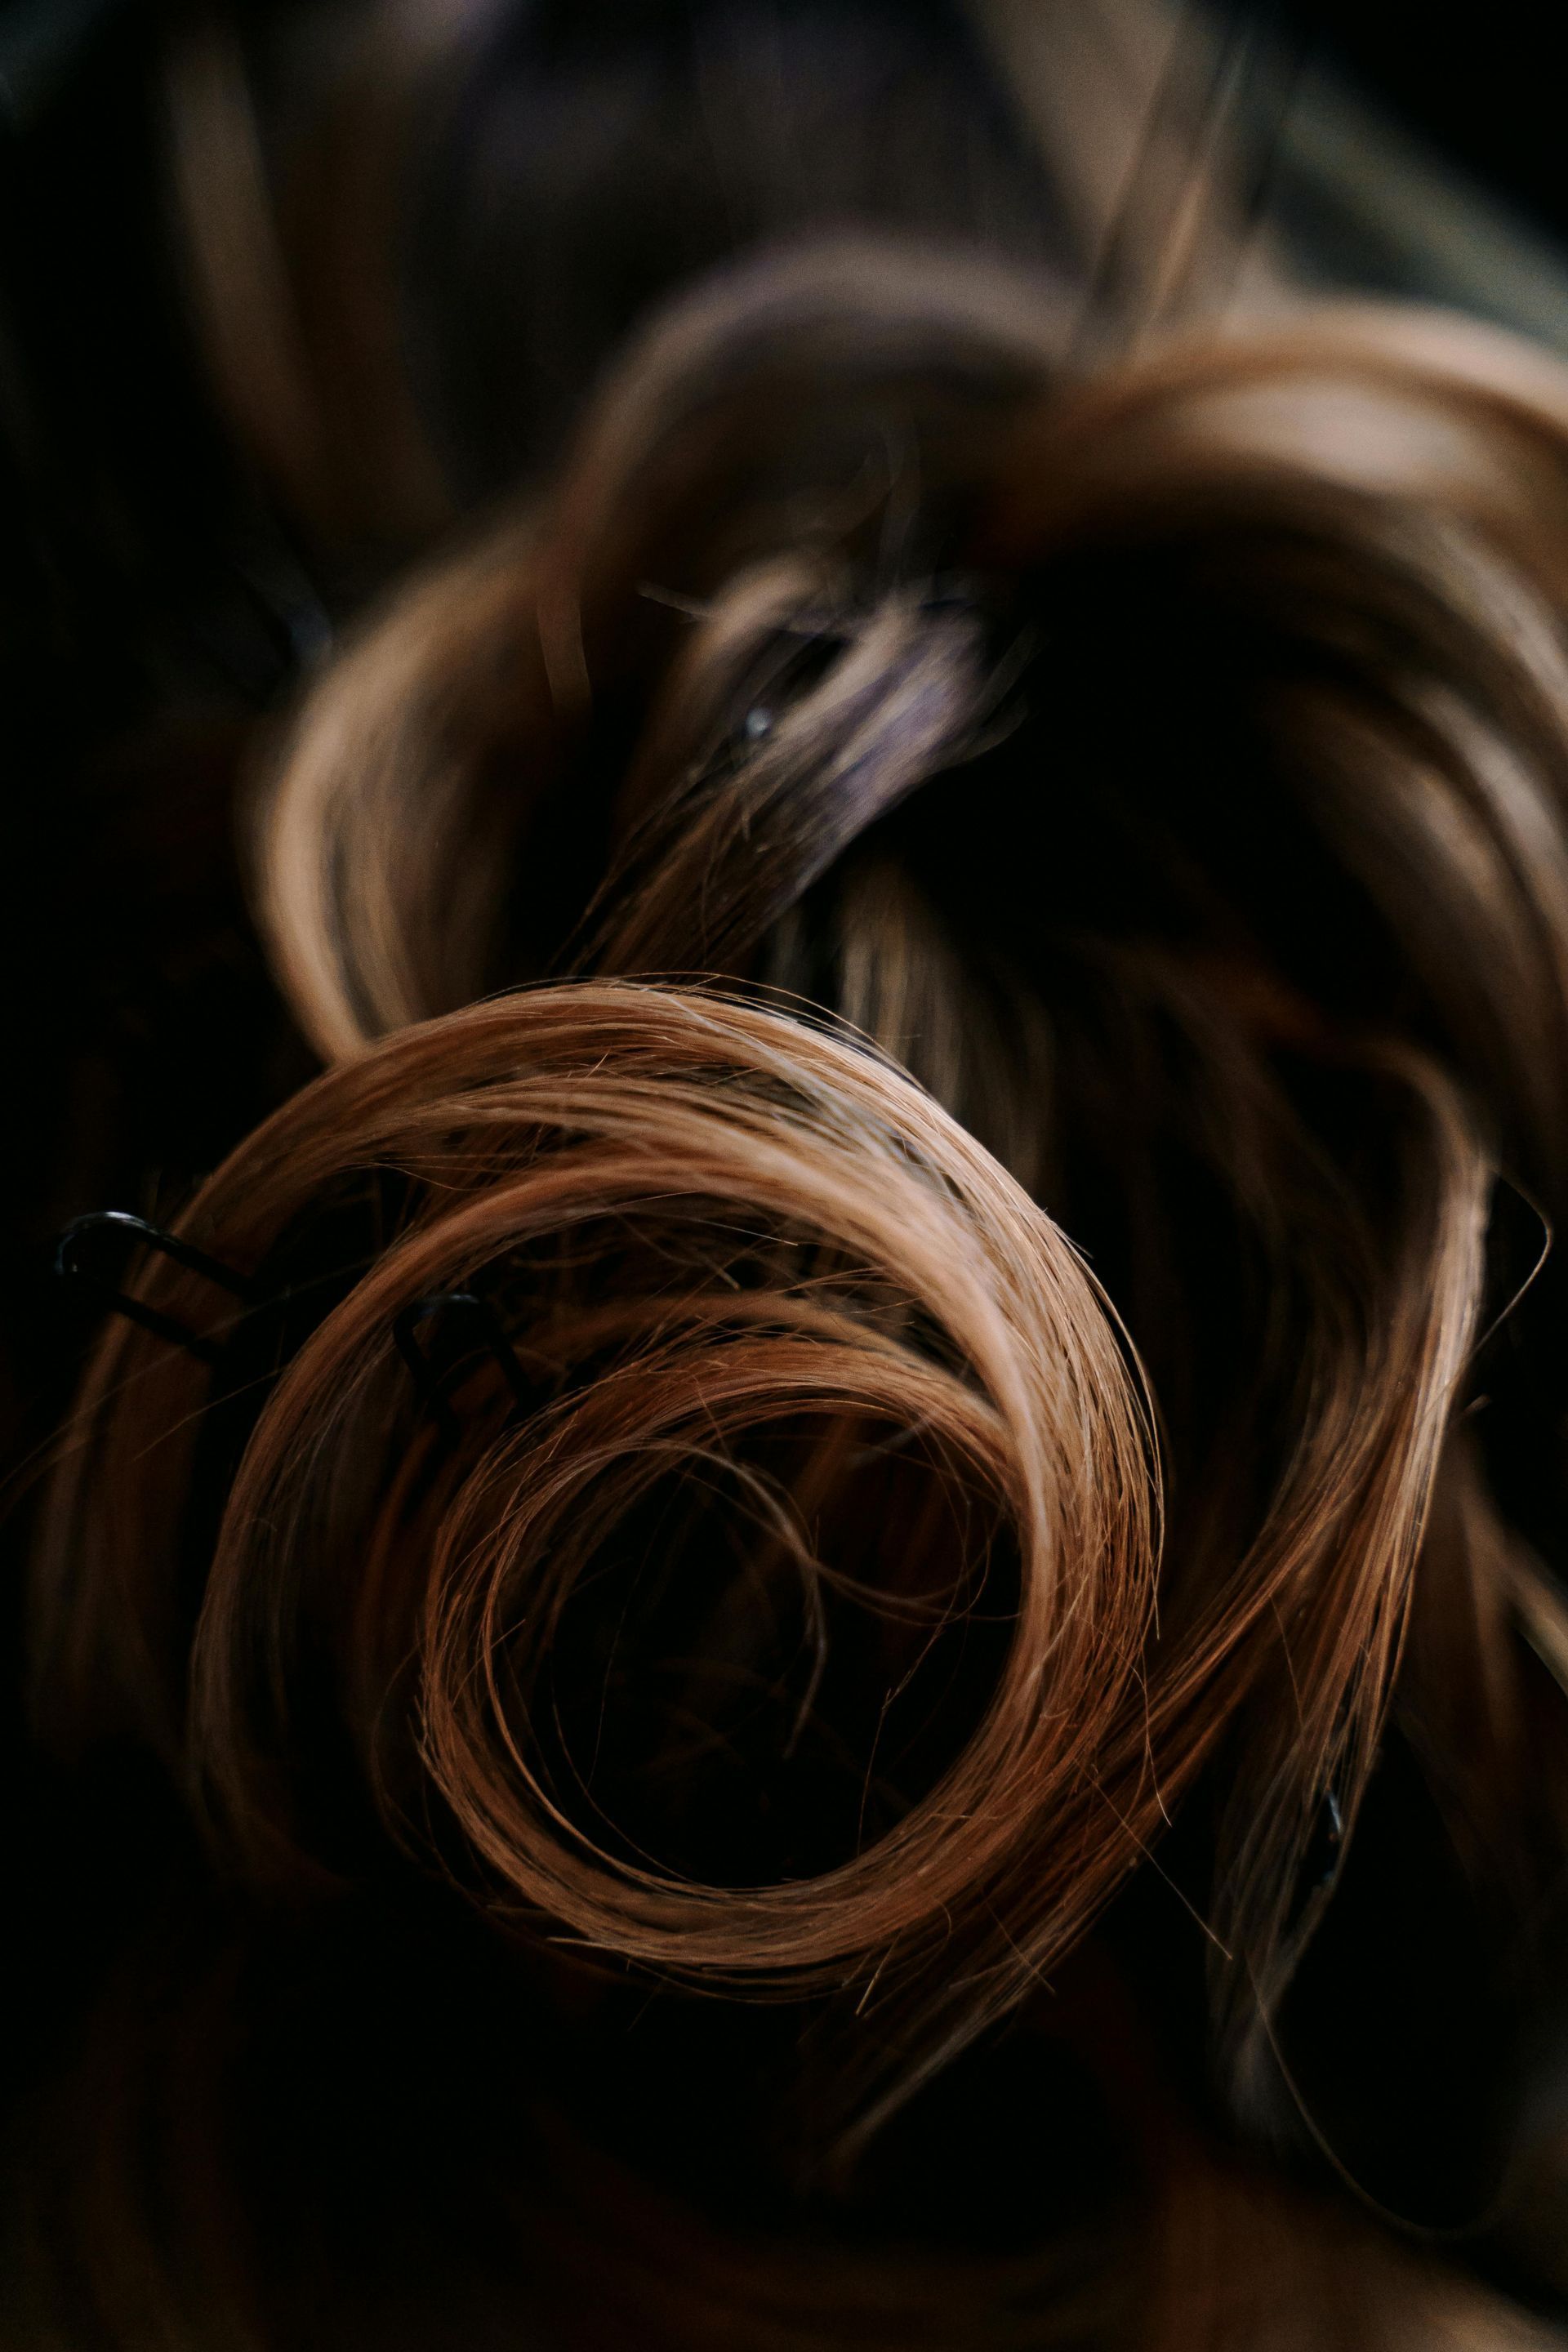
pixel 833 1592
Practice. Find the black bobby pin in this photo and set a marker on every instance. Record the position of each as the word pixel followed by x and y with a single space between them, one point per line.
pixel 1324 1849
pixel 118 1225
pixel 1320 1860
pixel 465 1326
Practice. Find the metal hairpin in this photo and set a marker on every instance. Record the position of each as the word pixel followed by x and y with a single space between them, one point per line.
pixel 120 1225
pixel 469 1326
pixel 1328 1837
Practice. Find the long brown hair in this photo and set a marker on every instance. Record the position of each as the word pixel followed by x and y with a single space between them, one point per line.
pixel 888 1434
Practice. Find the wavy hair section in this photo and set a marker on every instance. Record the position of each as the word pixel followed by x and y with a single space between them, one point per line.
pixel 1166 764
pixel 790 1388
pixel 751 1281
